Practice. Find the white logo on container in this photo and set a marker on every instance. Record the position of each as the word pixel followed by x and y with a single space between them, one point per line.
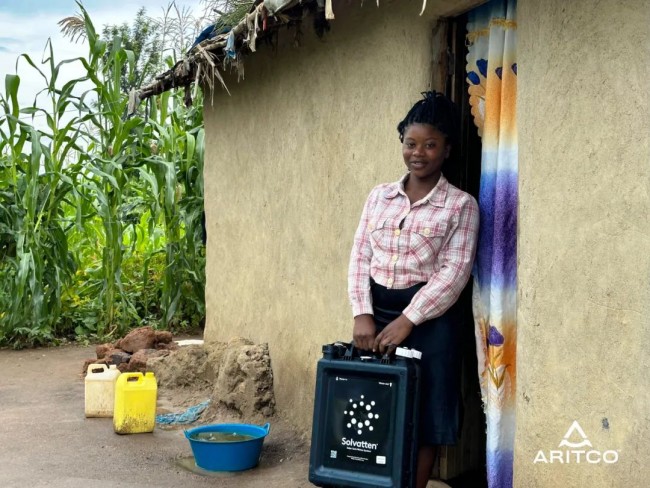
pixel 361 415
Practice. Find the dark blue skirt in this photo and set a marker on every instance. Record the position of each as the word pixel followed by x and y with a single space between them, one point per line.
pixel 439 341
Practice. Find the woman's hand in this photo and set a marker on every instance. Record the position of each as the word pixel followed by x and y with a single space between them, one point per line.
pixel 364 331
pixel 394 333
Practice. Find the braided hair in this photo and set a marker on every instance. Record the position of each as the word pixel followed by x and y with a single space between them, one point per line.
pixel 436 110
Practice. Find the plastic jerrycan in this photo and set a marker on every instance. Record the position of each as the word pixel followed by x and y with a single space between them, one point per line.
pixel 99 390
pixel 135 403
pixel 366 411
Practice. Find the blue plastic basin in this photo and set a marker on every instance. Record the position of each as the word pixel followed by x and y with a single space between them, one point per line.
pixel 228 456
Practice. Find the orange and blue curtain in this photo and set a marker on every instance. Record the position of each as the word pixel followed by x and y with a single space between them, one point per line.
pixel 492 86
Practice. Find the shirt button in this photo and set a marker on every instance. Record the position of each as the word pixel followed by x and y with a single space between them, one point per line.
pixel 427 231
pixel 394 258
pixel 371 227
pixel 390 281
pixel 397 232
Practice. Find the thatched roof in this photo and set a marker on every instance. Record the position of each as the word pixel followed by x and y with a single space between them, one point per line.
pixel 205 60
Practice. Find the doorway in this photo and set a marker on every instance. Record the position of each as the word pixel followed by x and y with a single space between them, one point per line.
pixel 463 465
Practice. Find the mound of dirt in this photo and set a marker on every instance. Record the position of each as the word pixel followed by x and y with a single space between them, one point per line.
pixel 236 377
pixel 186 368
pixel 245 381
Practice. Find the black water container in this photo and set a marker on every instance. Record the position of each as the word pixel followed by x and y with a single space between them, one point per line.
pixel 365 416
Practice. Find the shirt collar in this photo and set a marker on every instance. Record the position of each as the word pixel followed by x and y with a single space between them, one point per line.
pixel 436 196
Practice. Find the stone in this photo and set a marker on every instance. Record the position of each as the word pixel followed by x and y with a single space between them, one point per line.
pixel 140 358
pixel 117 357
pixel 167 346
pixel 102 349
pixel 163 337
pixel 140 338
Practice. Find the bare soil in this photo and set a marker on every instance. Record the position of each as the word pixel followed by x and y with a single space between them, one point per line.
pixel 47 441
pixel 238 380
pixel 236 376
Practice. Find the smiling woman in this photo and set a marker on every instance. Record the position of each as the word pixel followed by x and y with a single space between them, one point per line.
pixel 424 149
pixel 411 258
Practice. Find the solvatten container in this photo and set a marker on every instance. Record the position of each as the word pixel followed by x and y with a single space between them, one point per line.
pixel 231 455
pixel 135 403
pixel 365 413
pixel 99 390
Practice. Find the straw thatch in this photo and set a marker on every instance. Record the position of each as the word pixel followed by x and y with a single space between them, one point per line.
pixel 204 62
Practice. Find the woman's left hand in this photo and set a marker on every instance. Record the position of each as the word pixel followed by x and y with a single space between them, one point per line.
pixel 394 333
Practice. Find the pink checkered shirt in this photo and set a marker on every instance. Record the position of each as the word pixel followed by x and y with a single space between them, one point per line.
pixel 435 244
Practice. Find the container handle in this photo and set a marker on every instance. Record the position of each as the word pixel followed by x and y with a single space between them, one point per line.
pixel 390 350
pixel 349 353
pixel 266 427
pixel 92 368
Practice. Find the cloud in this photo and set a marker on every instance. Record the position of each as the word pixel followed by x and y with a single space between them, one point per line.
pixel 7 41
pixel 26 26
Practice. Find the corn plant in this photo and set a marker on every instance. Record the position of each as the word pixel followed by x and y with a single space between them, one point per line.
pixel 100 213
pixel 177 164
pixel 36 181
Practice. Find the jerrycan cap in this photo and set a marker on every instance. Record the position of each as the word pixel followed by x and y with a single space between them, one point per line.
pixel 403 352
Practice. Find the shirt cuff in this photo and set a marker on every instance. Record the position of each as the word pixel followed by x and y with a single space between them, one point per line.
pixel 413 315
pixel 361 309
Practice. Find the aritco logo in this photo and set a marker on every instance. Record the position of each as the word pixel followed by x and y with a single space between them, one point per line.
pixel 573 452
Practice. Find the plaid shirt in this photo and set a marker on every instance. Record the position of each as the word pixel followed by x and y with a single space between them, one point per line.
pixel 435 243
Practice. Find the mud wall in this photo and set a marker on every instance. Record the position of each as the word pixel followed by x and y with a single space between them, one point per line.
pixel 291 156
pixel 584 241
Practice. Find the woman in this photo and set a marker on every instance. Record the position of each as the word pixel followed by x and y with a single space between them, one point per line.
pixel 411 258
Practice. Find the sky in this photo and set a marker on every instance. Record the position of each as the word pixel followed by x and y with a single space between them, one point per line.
pixel 26 25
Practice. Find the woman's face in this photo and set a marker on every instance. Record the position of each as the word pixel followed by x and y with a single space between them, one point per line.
pixel 424 149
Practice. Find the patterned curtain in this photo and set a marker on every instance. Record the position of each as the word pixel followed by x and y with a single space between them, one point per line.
pixel 492 79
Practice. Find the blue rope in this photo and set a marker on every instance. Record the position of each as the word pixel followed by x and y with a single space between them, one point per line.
pixel 187 417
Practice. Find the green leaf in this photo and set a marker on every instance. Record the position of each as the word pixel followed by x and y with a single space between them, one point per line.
pixel 110 178
pixel 12 82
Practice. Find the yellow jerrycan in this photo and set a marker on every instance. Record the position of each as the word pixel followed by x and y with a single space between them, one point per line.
pixel 135 403
pixel 99 390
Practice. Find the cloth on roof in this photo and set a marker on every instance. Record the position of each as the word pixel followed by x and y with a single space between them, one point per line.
pixel 275 6
pixel 230 45
pixel 252 25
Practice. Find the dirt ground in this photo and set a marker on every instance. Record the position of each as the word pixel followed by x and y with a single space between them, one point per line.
pixel 48 442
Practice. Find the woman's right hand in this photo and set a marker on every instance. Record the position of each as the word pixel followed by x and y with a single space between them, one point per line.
pixel 364 332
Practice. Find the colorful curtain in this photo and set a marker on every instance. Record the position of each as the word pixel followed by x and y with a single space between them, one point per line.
pixel 492 79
